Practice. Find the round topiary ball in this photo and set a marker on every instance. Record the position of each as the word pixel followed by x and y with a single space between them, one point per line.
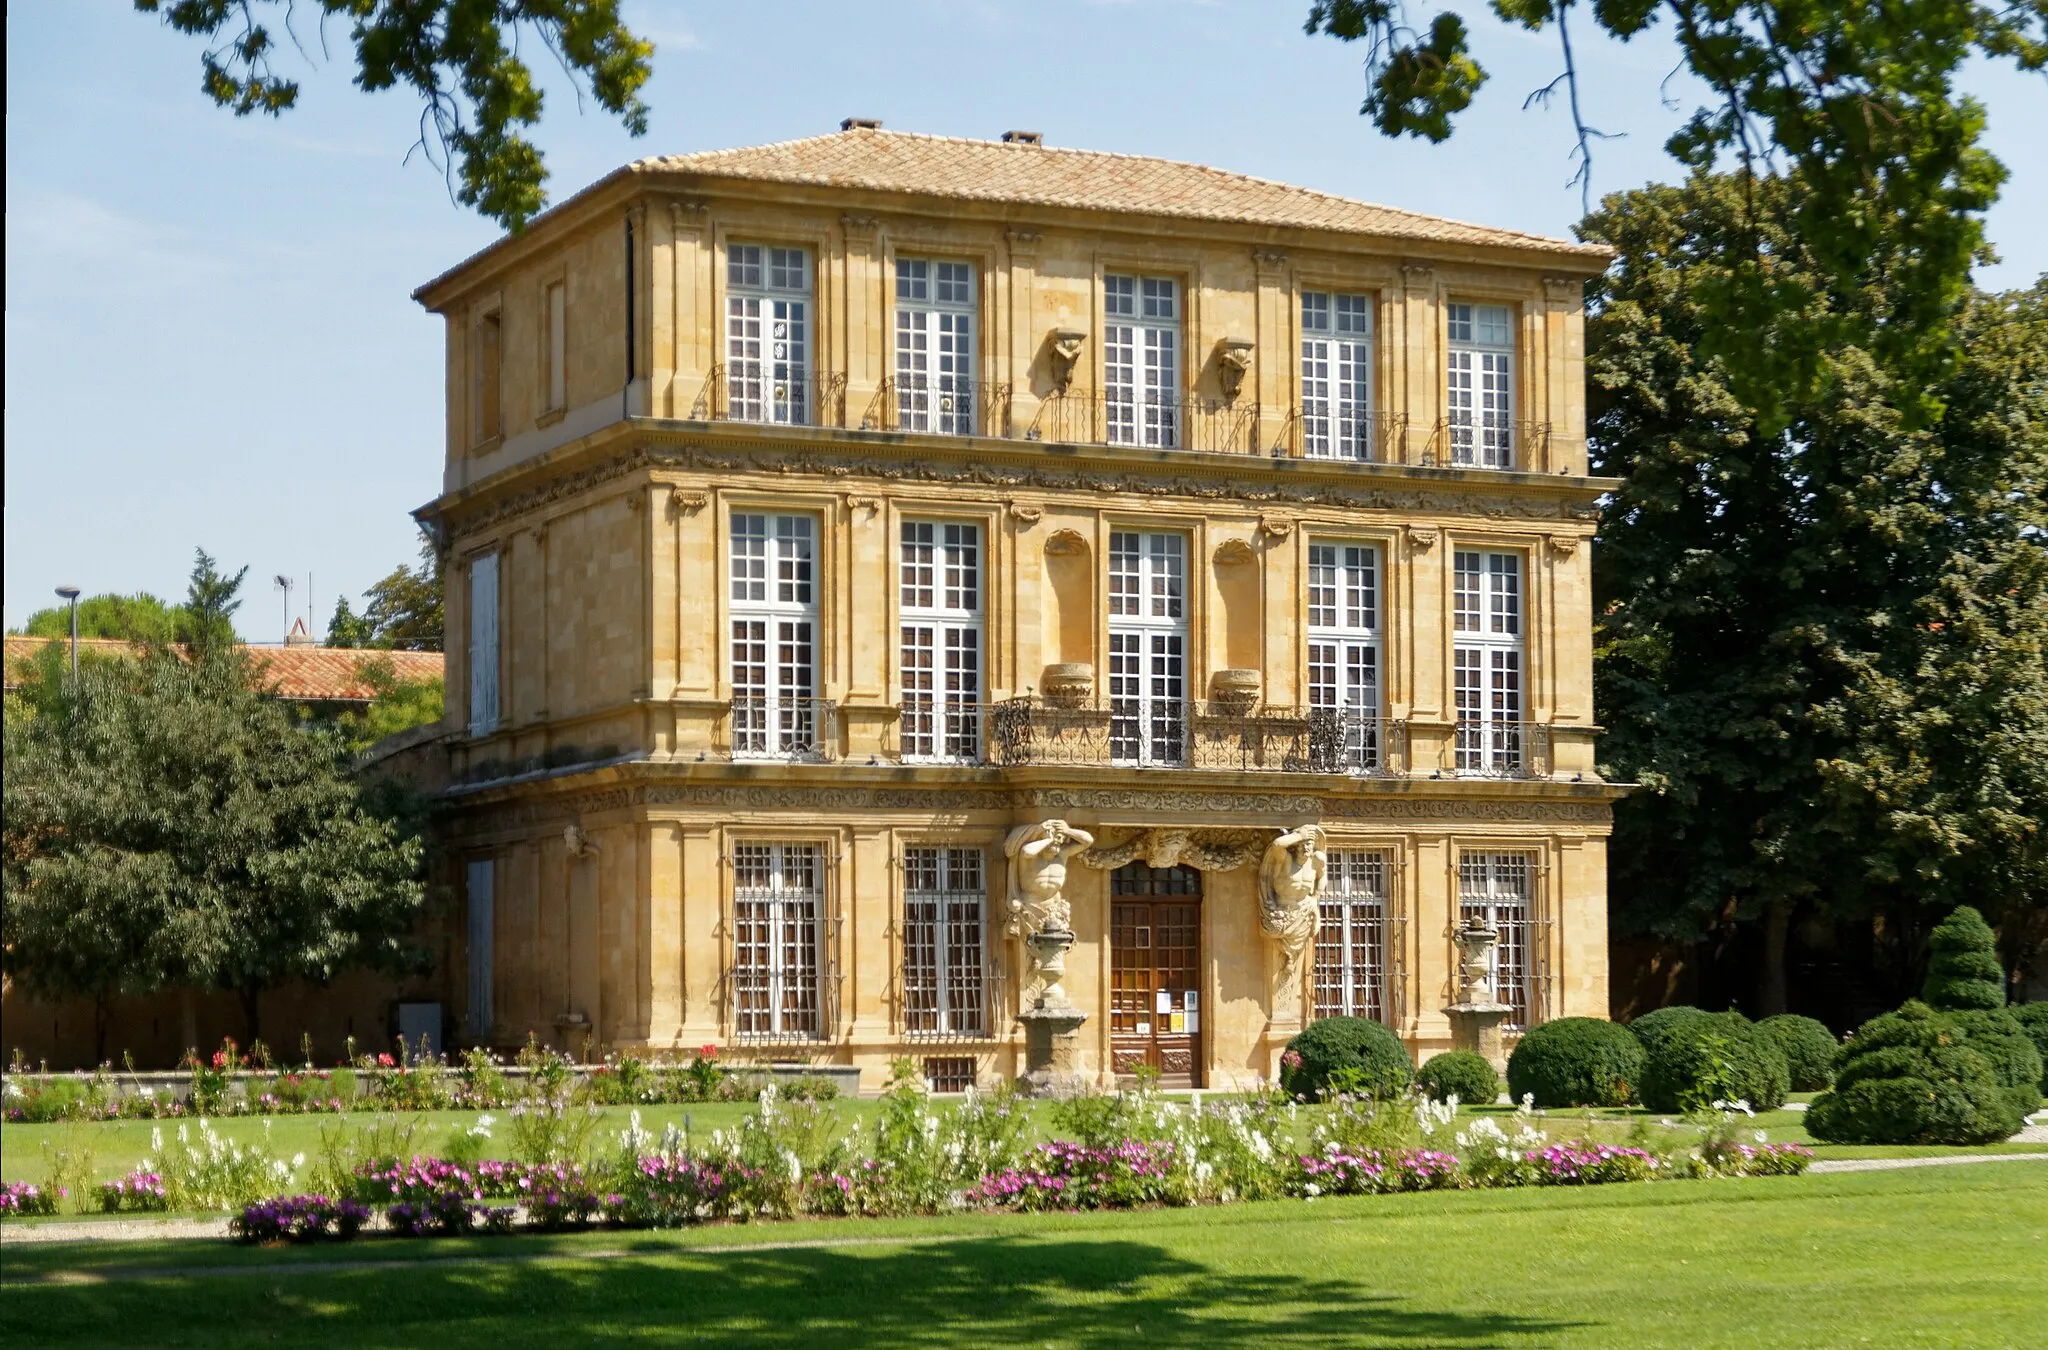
pixel 1908 1077
pixel 1715 1057
pixel 1999 1036
pixel 1460 1074
pixel 1576 1061
pixel 1377 1062
pixel 1963 971
pixel 1809 1049
pixel 2033 1017
pixel 1652 1026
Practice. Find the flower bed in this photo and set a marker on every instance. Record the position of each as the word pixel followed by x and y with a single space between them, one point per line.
pixel 25 1199
pixel 142 1191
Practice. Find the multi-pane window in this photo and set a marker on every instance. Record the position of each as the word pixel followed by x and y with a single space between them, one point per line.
pixel 935 346
pixel 940 598
pixel 483 644
pixel 1141 360
pixel 1336 375
pixel 767 334
pixel 778 896
pixel 1494 888
pixel 1344 645
pixel 945 902
pixel 774 623
pixel 1351 943
pixel 1480 397
pixel 1148 633
pixel 1487 661
pixel 481 896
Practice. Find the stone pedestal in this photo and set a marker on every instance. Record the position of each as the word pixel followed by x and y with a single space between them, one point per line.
pixel 1476 1027
pixel 1052 1045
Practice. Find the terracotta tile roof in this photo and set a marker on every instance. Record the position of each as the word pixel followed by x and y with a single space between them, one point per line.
pixel 309 674
pixel 948 166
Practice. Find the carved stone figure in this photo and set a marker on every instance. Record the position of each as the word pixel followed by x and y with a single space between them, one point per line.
pixel 1038 874
pixel 1290 889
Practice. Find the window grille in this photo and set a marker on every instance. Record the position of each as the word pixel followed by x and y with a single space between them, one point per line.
pixel 1336 375
pixel 940 598
pixel 1480 398
pixel 1487 661
pixel 481 896
pixel 945 978
pixel 1495 889
pixel 1351 943
pixel 949 1073
pixel 935 356
pixel 778 898
pixel 1141 361
pixel 1344 645
pixel 483 644
pixel 774 619
pixel 767 334
pixel 1147 648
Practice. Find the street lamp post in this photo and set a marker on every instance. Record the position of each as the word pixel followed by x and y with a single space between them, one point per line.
pixel 70 593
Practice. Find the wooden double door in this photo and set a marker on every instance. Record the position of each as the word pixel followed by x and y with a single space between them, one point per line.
pixel 1155 957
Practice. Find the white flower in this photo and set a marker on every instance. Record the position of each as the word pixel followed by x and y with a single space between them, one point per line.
pixel 1762 1136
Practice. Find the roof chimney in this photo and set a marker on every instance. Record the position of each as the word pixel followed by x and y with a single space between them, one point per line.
pixel 1023 138
pixel 861 124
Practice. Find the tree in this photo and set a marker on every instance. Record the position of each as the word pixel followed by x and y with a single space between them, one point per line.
pixel 206 621
pixel 1822 617
pixel 397 705
pixel 403 611
pixel 170 825
pixel 462 57
pixel 129 618
pixel 1963 970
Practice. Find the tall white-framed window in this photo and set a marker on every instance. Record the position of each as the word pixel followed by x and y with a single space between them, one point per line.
pixel 945 922
pixel 1148 636
pixel 555 306
pixel 1336 375
pixel 939 595
pixel 1486 622
pixel 1497 889
pixel 483 644
pixel 935 353
pixel 1141 360
pixel 1351 941
pixel 480 896
pixel 767 334
pixel 777 954
pixel 1344 645
pixel 774 617
pixel 1480 397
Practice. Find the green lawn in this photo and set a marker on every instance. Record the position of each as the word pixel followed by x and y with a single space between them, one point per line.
pixel 1929 1257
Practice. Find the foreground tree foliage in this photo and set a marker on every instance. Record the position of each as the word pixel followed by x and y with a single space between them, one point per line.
pixel 402 612
pixel 462 57
pixel 168 825
pixel 1823 612
pixel 127 618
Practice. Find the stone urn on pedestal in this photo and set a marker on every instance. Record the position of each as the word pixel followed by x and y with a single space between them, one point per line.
pixel 1477 1016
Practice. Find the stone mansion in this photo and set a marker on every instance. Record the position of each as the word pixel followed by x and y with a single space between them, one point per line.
pixel 821 514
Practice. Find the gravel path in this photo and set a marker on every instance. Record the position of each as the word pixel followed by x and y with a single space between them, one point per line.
pixel 101 1230
pixel 1888 1164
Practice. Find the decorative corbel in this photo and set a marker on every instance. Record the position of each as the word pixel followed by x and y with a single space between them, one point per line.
pixel 861 501
pixel 636 501
pixel 1233 361
pixel 1562 546
pixel 1268 260
pixel 577 843
pixel 1274 528
pixel 1063 346
pixel 682 504
pixel 1421 538
pixel 1026 516
pixel 686 216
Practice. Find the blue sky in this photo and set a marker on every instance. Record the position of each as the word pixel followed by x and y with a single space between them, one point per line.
pixel 209 335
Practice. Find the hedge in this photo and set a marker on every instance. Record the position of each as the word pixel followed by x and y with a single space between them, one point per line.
pixel 2034 1018
pixel 1809 1047
pixel 1963 970
pixel 1577 1061
pixel 1334 1044
pixel 1462 1074
pixel 1658 1023
pixel 1715 1057
pixel 1911 1077
pixel 2007 1047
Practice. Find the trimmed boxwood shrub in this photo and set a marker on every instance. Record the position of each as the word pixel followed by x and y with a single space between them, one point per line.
pixel 1462 1074
pixel 1577 1061
pixel 1333 1044
pixel 1654 1025
pixel 2034 1018
pixel 1714 1057
pixel 1910 1077
pixel 1809 1049
pixel 1963 970
pixel 1998 1036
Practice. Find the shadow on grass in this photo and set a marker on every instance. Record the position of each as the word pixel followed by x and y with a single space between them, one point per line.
pixel 932 1293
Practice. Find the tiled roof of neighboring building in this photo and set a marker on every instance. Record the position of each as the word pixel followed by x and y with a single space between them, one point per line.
pixel 303 674
pixel 949 166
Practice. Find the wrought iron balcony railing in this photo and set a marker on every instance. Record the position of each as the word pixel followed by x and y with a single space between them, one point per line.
pixel 940 405
pixel 1334 430
pixel 1502 749
pixel 1479 440
pixel 1367 746
pixel 770 728
pixel 1155 421
pixel 777 393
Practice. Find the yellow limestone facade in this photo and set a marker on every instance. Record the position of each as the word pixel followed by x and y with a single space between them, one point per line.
pixel 821 513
